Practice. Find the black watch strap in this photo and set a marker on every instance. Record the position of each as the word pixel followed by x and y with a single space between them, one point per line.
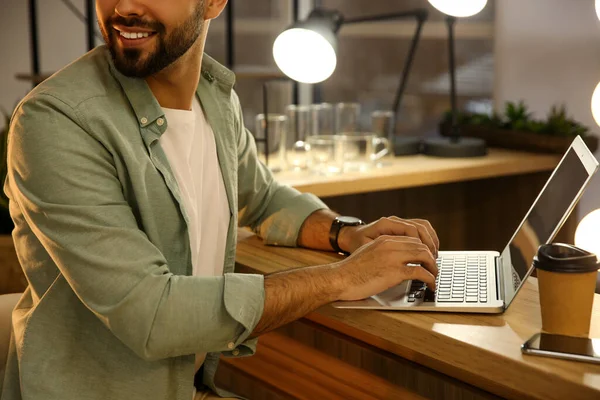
pixel 336 226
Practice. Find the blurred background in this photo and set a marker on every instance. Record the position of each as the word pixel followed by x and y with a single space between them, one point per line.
pixel 538 51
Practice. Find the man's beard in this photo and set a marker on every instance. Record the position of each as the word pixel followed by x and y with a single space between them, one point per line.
pixel 130 61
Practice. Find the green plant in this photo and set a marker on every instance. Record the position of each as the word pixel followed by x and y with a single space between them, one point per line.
pixel 517 117
pixel 560 124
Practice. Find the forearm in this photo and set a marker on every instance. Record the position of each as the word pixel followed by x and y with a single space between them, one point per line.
pixel 314 233
pixel 291 295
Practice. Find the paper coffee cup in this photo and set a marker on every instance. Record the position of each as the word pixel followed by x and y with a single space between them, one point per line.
pixel 566 279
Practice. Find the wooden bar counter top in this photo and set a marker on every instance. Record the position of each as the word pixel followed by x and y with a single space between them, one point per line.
pixel 472 355
pixel 420 170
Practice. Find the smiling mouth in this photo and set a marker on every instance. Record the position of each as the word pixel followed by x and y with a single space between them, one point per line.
pixel 139 35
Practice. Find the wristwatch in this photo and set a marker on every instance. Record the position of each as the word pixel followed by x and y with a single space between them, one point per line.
pixel 337 224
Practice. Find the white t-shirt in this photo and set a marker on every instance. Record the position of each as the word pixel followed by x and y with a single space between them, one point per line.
pixel 189 144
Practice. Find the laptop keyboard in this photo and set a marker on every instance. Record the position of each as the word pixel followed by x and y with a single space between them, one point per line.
pixel 461 279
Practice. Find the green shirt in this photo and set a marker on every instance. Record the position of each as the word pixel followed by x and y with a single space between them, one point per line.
pixel 111 311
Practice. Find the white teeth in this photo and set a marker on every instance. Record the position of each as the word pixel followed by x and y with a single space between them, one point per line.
pixel 134 35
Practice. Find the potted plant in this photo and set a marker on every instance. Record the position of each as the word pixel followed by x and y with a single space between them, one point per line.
pixel 516 129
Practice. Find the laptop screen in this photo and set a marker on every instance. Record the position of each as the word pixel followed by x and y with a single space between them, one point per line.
pixel 542 222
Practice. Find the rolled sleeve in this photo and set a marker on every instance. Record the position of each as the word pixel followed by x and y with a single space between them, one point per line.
pixel 282 227
pixel 246 310
pixel 275 211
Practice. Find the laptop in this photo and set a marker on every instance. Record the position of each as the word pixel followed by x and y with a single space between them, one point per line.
pixel 488 281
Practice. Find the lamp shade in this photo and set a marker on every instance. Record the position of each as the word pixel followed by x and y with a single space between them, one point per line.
pixel 305 55
pixel 459 8
pixel 306 51
pixel 598 8
pixel 587 235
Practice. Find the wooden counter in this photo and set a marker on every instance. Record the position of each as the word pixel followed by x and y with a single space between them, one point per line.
pixel 464 356
pixel 420 170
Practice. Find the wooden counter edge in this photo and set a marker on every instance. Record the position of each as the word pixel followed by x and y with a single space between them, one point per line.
pixel 501 163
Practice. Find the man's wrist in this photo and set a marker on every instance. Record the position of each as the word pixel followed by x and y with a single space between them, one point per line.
pixel 340 237
pixel 345 237
pixel 336 280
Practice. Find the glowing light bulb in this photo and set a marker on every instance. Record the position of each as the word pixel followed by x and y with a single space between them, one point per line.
pixel 587 235
pixel 460 8
pixel 304 55
pixel 596 104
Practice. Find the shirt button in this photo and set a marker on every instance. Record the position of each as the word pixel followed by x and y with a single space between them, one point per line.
pixel 144 120
pixel 160 122
pixel 230 345
pixel 236 352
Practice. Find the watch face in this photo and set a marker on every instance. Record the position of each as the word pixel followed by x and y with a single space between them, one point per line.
pixel 349 220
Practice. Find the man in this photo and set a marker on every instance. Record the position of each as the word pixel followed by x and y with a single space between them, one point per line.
pixel 129 171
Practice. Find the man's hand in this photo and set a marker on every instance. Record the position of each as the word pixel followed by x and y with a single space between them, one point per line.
pixel 378 265
pixel 383 263
pixel 353 237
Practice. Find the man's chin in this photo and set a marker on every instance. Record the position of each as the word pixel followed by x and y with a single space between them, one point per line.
pixel 130 65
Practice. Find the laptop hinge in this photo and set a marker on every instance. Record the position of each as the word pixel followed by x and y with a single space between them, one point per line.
pixel 499 280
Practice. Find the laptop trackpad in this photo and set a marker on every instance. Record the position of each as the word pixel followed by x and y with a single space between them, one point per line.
pixel 394 296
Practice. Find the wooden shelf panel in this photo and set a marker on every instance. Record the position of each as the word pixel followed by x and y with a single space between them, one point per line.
pixel 302 372
pixel 387 29
pixel 36 79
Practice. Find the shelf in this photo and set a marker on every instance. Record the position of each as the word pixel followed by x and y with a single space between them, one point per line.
pixel 388 29
pixel 431 30
pixel 474 78
pixel 257 72
pixel 35 79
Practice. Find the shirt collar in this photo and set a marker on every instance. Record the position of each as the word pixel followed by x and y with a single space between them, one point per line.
pixel 213 69
pixel 142 100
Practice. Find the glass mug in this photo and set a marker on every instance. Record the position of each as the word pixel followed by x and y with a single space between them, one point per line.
pixel 333 154
pixel 383 123
pixel 323 155
pixel 322 119
pixel 361 152
pixel 347 117
pixel 299 128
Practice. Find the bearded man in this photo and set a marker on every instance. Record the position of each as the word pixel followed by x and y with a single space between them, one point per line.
pixel 129 172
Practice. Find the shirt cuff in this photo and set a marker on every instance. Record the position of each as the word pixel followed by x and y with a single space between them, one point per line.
pixel 247 309
pixel 245 349
pixel 283 229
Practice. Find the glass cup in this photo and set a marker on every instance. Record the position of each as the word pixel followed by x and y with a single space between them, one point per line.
pixel 382 124
pixel 299 128
pixel 358 153
pixel 273 150
pixel 323 155
pixel 322 119
pixel 347 118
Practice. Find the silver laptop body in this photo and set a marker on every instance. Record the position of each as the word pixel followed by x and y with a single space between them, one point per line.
pixel 487 281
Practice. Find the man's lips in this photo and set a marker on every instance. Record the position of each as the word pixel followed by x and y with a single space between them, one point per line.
pixel 132 29
pixel 132 36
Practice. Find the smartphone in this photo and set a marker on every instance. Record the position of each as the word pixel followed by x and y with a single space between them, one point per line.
pixel 566 347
